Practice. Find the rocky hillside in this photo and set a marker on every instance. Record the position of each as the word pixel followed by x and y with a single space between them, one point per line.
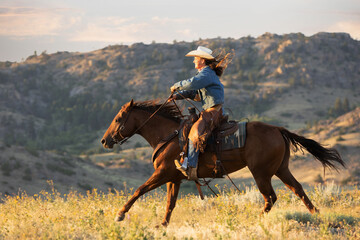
pixel 344 134
pixel 23 169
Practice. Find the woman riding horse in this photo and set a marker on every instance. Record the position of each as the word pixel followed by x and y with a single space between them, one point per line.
pixel 266 152
pixel 206 87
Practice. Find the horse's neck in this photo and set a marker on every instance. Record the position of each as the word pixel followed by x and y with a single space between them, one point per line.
pixel 156 129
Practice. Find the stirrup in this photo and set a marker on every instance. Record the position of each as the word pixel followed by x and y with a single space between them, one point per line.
pixel 180 167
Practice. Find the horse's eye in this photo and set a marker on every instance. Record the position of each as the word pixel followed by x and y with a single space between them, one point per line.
pixel 117 120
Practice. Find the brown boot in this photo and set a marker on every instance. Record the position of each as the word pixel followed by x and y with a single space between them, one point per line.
pixel 180 168
pixel 192 173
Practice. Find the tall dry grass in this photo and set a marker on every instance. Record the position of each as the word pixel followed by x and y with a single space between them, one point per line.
pixel 232 215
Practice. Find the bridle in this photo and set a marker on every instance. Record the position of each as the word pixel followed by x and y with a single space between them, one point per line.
pixel 122 126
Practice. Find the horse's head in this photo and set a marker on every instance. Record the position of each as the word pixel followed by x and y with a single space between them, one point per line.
pixel 120 128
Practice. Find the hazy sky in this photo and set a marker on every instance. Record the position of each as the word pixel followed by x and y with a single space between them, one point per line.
pixel 27 26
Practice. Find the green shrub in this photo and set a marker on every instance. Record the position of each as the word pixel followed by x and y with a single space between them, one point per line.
pixel 85 186
pixel 302 217
pixel 340 138
pixel 31 148
pixel 38 165
pixel 57 168
pixel 6 168
pixel 27 175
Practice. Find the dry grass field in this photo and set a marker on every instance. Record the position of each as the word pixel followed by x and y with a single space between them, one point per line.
pixel 232 215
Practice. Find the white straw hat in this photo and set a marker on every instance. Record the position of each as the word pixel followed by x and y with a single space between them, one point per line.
pixel 202 52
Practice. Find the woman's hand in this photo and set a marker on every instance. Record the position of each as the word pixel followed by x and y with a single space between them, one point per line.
pixel 173 89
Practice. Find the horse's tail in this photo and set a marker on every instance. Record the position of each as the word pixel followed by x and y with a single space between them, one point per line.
pixel 327 156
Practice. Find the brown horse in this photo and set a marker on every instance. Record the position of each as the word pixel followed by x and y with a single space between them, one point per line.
pixel 266 153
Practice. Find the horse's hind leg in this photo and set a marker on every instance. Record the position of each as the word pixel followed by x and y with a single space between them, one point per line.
pixel 266 189
pixel 290 181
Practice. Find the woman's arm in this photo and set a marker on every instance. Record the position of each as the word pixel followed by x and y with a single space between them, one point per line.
pixel 201 80
pixel 192 94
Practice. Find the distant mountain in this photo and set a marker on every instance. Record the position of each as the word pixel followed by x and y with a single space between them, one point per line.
pixel 64 101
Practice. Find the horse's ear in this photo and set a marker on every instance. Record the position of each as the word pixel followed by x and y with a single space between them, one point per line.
pixel 131 103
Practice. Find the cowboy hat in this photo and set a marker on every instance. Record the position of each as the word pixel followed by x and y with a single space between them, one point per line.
pixel 202 52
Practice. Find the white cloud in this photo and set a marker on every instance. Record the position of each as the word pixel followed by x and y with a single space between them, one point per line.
pixel 351 27
pixel 26 22
pixel 110 32
pixel 167 21
pixel 187 33
pixel 116 29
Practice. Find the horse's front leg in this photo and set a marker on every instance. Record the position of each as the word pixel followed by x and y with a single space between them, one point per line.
pixel 157 179
pixel 172 194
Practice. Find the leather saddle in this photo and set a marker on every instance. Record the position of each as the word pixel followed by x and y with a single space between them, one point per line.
pixel 226 128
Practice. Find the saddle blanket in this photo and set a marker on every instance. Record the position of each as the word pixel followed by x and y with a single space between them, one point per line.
pixel 232 141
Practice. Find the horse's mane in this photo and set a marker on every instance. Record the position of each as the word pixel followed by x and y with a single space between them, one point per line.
pixel 168 110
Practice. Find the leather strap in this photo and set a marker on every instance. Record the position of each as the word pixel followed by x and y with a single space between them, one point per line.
pixel 163 142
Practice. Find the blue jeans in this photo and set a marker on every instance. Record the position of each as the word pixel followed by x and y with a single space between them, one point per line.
pixel 193 155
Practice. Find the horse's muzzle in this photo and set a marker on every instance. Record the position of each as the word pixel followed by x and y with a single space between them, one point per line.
pixel 107 143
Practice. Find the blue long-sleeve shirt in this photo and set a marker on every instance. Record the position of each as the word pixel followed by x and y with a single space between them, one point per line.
pixel 207 84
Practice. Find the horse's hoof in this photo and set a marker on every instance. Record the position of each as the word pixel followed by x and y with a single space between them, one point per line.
pixel 263 213
pixel 120 217
pixel 165 224
pixel 314 210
